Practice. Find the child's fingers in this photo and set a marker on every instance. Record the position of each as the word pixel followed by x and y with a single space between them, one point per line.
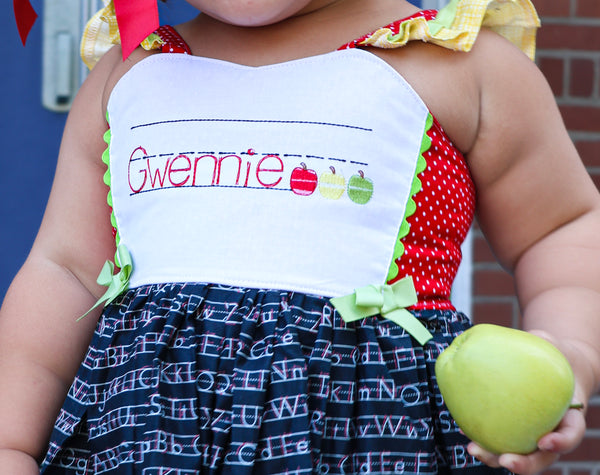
pixel 567 436
pixel 488 458
pixel 519 464
pixel 528 464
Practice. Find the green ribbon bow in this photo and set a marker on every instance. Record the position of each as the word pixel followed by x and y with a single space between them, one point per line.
pixel 389 301
pixel 116 283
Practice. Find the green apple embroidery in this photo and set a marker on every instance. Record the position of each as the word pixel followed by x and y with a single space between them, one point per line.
pixel 360 188
pixel 332 185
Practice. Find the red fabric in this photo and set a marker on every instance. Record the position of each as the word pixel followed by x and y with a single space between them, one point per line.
pixel 25 16
pixel 174 43
pixel 136 20
pixel 445 210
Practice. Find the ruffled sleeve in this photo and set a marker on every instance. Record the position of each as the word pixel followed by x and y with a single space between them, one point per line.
pixel 457 25
pixel 99 35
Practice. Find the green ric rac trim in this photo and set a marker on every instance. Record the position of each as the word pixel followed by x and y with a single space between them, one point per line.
pixel 115 283
pixel 107 182
pixel 411 206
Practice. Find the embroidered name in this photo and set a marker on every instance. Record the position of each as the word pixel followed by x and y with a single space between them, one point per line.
pixel 252 170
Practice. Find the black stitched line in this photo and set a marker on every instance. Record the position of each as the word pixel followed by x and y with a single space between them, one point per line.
pixel 149 124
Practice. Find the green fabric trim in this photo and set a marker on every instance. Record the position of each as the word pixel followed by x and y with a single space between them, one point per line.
pixel 106 160
pixel 389 301
pixel 411 206
pixel 444 18
pixel 107 181
pixel 115 283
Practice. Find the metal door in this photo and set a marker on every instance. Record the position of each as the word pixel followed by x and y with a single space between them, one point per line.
pixel 30 134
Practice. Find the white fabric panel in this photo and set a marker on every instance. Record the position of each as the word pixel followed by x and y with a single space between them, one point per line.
pixel 208 180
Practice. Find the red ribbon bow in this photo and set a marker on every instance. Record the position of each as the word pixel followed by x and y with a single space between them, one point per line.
pixel 136 20
pixel 25 16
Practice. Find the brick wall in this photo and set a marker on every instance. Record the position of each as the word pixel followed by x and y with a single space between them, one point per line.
pixel 569 56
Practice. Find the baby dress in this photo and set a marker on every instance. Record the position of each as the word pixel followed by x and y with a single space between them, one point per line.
pixel 287 236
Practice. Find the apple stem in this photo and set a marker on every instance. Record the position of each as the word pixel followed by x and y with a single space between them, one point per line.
pixel 578 405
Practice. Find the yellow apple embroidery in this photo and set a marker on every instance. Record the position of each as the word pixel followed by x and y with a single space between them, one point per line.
pixel 332 185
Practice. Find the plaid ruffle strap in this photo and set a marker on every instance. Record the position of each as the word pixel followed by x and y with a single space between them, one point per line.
pixel 457 25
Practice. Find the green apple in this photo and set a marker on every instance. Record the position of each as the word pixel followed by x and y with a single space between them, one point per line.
pixel 505 388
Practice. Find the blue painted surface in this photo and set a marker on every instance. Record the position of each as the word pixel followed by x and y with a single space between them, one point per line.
pixel 30 137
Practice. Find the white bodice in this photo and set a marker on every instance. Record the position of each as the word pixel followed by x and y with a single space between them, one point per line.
pixel 293 176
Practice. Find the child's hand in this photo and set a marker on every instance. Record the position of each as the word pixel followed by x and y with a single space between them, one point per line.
pixel 567 436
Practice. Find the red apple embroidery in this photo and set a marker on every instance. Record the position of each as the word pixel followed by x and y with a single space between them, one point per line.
pixel 303 181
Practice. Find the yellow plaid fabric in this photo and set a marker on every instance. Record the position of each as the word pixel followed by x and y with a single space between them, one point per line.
pixel 99 35
pixel 102 32
pixel 457 25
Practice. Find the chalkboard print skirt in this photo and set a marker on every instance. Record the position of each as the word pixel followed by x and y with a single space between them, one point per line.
pixel 201 379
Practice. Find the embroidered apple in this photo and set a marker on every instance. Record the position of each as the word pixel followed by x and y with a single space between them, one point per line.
pixel 360 188
pixel 332 185
pixel 303 181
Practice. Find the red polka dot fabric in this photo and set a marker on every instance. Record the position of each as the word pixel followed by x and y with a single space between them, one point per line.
pixel 445 209
pixel 173 43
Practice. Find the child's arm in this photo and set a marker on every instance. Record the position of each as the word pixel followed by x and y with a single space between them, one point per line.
pixel 41 344
pixel 540 212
